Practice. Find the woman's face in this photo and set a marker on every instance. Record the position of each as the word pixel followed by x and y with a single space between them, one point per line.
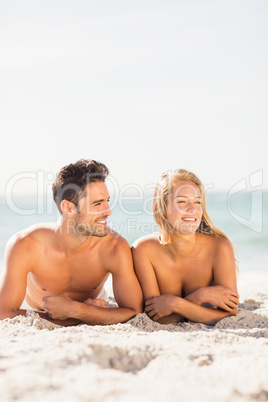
pixel 184 209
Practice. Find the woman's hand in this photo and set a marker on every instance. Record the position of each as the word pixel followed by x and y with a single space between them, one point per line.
pixel 219 296
pixel 160 306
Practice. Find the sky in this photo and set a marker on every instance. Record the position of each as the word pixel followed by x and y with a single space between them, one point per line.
pixel 143 86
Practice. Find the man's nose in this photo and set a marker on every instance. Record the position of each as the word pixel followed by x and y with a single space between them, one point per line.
pixel 107 211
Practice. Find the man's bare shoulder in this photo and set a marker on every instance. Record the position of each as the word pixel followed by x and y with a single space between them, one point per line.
pixel 115 241
pixel 146 243
pixel 115 251
pixel 30 237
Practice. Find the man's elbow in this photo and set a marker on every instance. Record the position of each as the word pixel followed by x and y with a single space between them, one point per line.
pixel 10 313
pixel 5 314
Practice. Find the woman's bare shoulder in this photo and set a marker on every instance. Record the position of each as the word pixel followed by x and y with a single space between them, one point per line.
pixel 216 241
pixel 219 247
pixel 221 243
pixel 223 248
pixel 147 242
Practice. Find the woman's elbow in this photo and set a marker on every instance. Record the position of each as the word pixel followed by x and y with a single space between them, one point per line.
pixel 138 309
pixel 234 311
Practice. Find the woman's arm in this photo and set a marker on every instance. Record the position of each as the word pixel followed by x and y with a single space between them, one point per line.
pixel 144 269
pixel 161 306
pixel 146 274
pixel 219 296
pixel 223 295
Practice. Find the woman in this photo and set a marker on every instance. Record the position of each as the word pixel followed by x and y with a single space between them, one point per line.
pixel 188 270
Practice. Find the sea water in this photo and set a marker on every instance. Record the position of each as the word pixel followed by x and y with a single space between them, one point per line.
pixel 243 217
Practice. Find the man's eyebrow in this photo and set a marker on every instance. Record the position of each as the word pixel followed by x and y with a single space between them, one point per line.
pixel 98 201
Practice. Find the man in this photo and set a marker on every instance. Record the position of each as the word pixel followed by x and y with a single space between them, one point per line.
pixel 61 269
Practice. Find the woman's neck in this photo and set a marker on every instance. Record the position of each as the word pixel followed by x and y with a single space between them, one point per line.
pixel 184 244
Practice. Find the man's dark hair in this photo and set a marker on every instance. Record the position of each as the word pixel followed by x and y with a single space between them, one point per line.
pixel 72 179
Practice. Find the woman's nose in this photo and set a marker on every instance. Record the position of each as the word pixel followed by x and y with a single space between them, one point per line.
pixel 190 206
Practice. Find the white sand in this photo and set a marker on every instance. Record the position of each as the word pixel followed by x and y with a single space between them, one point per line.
pixel 137 361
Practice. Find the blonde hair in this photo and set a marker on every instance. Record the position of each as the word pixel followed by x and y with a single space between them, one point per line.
pixel 163 191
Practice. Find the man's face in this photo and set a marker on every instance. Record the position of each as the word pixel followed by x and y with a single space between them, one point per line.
pixel 93 211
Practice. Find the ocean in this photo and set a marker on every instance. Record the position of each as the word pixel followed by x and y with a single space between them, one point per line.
pixel 243 217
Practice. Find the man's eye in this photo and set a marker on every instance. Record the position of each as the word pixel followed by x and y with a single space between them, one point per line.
pixel 97 204
pixel 181 202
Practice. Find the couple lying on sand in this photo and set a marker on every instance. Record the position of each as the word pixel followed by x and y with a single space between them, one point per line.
pixel 187 271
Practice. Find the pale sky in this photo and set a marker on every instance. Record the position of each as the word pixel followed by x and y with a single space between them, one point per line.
pixel 143 86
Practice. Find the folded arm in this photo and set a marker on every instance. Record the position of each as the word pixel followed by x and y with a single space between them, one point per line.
pixel 219 296
pixel 127 292
pixel 223 295
pixel 61 309
pixel 160 306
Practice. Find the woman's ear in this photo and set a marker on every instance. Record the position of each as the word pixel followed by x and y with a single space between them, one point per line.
pixel 67 207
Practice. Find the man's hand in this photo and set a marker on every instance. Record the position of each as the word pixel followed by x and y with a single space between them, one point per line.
pixel 219 296
pixel 58 307
pixel 160 306
pixel 96 302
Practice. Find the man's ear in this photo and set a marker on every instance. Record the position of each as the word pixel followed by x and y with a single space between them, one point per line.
pixel 68 207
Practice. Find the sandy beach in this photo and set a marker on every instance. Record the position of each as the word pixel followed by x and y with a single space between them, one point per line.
pixel 140 360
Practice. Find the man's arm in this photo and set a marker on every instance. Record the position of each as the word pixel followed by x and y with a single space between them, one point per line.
pixel 19 259
pixel 127 294
pixel 14 277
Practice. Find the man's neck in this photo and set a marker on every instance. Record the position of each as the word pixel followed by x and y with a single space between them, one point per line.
pixel 70 241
